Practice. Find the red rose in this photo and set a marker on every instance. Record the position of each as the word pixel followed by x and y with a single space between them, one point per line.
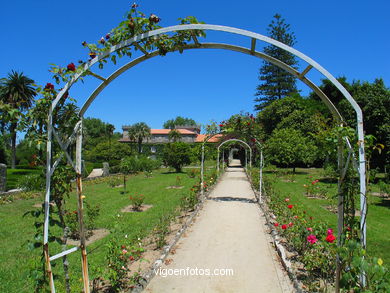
pixel 276 224
pixel 92 55
pixel 123 246
pixel 131 257
pixel 290 224
pixel 71 67
pixel 102 40
pixel 330 238
pixel 284 226
pixel 49 86
pixel 108 36
pixel 290 206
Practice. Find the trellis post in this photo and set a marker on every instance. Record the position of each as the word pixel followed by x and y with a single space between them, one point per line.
pixel 340 210
pixel 80 209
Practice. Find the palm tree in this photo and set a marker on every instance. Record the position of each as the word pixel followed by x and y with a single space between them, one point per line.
pixel 138 132
pixel 18 92
pixel 174 135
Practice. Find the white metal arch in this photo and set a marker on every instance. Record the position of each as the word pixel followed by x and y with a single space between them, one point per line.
pixel 241 142
pixel 254 37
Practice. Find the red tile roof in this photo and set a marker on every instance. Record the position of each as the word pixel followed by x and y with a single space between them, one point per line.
pixel 166 131
pixel 202 137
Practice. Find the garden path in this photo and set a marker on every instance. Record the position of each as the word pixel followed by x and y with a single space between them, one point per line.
pixel 229 233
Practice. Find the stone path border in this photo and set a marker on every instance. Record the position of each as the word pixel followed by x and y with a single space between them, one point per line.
pixel 146 278
pixel 276 240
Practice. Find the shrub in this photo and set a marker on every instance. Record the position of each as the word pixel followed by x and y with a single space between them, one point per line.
pixel 34 182
pixel 137 201
pixel 177 155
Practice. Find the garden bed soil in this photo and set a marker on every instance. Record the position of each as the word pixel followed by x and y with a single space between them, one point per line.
pixel 174 187
pixel 333 210
pixel 39 204
pixel 97 234
pixel 381 195
pixel 130 209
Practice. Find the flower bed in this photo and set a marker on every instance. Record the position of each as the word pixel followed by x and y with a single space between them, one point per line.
pixel 312 249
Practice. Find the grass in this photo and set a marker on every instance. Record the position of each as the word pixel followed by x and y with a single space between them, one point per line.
pixel 13 176
pixel 378 224
pixel 16 261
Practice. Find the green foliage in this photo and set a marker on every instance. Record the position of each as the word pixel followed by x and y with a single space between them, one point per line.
pixel 289 148
pixel 355 262
pixel 137 201
pixel 33 182
pixel 72 220
pixel 96 128
pixel 161 230
pixel 374 100
pixel 179 121
pixel 174 135
pixel 106 151
pixel 4 151
pixel 138 132
pixel 276 82
pixel 134 164
pixel 16 96
pixel 177 155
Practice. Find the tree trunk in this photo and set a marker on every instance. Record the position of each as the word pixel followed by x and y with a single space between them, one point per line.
pixel 13 145
pixel 65 262
pixel 294 170
pixel 139 146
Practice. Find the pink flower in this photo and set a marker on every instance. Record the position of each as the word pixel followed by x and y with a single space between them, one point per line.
pixel 287 200
pixel 290 206
pixel 284 226
pixel 296 217
pixel 124 251
pixel 309 229
pixel 312 239
pixel 330 232
pixel 276 224
pixel 290 224
pixel 330 238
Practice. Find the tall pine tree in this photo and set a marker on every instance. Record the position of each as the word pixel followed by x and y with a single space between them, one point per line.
pixel 276 83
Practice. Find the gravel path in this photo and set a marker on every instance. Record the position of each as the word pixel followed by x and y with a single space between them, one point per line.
pixel 229 233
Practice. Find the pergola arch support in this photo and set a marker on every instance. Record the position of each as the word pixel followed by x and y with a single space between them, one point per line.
pixel 197 45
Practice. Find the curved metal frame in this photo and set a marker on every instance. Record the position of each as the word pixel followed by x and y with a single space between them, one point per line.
pixel 188 27
pixel 260 172
pixel 239 141
pixel 202 164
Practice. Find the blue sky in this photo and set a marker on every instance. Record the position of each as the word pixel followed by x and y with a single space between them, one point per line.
pixel 348 38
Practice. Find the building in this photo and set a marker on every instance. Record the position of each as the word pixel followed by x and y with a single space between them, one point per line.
pixel 188 134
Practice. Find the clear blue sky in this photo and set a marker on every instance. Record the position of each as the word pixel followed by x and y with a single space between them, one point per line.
pixel 348 38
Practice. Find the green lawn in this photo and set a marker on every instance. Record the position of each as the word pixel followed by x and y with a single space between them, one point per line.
pixel 378 224
pixel 16 230
pixel 13 176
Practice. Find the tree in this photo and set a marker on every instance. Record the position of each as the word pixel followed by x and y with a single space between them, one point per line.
pixel 174 135
pixel 179 121
pixel 288 147
pixel 18 92
pixel 138 132
pixel 374 100
pixel 276 82
pixel 177 155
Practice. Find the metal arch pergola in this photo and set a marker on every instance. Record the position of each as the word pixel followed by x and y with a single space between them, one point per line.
pixel 254 37
pixel 241 142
